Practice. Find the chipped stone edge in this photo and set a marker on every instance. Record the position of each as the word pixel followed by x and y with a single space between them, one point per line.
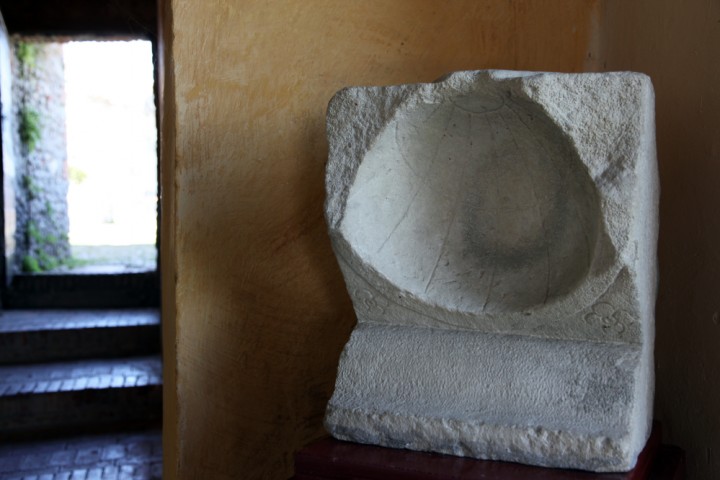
pixel 529 445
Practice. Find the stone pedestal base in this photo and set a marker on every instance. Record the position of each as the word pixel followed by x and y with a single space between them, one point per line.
pixel 556 403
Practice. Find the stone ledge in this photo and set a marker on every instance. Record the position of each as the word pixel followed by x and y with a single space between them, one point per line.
pixel 28 336
pixel 79 396
pixel 79 375
pixel 118 455
pixel 34 320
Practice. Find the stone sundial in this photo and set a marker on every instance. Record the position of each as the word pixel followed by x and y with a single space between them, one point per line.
pixel 497 233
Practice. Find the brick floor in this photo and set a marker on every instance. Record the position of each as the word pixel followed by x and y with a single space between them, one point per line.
pixel 33 320
pixel 133 456
pixel 136 456
pixel 41 336
pixel 79 375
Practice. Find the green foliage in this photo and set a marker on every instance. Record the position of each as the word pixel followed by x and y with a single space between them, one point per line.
pixel 39 238
pixel 47 261
pixel 76 175
pixel 27 54
pixel 41 244
pixel 30 264
pixel 30 132
pixel 43 252
pixel 73 262
pixel 34 232
pixel 43 263
pixel 33 189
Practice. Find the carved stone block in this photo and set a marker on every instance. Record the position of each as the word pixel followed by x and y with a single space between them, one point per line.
pixel 497 233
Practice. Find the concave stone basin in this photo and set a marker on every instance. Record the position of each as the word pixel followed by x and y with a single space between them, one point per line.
pixel 478 204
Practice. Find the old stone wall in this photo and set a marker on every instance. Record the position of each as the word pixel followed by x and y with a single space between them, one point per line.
pixel 41 153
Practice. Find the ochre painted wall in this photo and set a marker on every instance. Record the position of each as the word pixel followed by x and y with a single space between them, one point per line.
pixel 255 308
pixel 678 45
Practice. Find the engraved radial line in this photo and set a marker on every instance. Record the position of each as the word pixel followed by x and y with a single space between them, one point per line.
pixel 435 110
pixel 456 204
pixel 581 218
pixel 497 193
pixel 370 286
pixel 399 143
pixel 483 112
pixel 533 190
pixel 453 217
pixel 402 152
pixel 422 182
pixel 583 223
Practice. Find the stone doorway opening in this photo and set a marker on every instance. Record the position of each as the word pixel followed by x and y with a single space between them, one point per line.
pixel 84 156
pixel 92 328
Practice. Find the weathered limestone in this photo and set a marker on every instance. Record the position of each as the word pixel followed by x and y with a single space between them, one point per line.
pixel 40 169
pixel 497 233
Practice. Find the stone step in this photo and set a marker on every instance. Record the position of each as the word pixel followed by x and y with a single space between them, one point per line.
pixel 135 455
pixel 28 336
pixel 86 290
pixel 88 395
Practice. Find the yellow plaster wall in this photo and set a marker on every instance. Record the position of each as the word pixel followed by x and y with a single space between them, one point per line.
pixel 678 45
pixel 255 308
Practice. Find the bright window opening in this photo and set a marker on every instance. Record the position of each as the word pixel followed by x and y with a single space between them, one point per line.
pixel 84 157
pixel 111 154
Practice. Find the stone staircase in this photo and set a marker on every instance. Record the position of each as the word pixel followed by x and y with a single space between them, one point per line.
pixel 68 372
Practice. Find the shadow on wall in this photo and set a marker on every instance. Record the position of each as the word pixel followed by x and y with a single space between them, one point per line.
pixel 281 369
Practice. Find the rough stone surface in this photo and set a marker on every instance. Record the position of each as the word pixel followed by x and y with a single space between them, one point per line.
pixel 120 456
pixel 497 232
pixel 38 89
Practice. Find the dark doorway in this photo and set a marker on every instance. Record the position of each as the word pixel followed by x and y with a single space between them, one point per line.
pixel 42 268
pixel 80 346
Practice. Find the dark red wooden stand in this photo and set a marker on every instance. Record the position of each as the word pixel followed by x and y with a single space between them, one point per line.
pixel 328 459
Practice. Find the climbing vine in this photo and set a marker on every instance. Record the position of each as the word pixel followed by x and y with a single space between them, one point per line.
pixel 27 55
pixel 30 131
pixel 42 237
